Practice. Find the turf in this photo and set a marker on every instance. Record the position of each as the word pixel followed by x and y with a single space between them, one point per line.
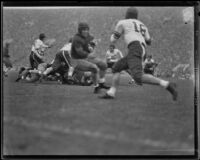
pixel 54 119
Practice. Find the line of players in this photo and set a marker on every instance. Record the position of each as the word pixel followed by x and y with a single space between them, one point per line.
pixel 80 54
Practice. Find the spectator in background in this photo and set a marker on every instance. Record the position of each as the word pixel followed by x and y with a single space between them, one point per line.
pixel 149 65
pixel 113 55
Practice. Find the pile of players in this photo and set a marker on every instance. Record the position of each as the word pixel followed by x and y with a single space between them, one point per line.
pixel 79 56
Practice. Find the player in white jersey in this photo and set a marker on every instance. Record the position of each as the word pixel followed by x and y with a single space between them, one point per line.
pixel 37 51
pixel 113 55
pixel 136 36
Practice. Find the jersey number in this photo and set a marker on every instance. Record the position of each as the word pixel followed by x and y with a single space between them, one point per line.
pixel 139 28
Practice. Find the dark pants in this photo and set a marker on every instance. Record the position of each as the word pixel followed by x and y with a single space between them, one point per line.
pixel 133 62
pixel 110 64
pixel 34 60
pixel 61 60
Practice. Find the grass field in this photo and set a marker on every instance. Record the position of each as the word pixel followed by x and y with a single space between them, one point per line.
pixel 53 119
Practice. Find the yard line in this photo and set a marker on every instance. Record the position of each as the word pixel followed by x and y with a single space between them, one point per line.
pixel 175 146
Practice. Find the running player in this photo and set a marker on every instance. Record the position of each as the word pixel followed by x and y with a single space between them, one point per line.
pixel 136 36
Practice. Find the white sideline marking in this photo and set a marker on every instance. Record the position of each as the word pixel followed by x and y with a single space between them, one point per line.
pixel 175 146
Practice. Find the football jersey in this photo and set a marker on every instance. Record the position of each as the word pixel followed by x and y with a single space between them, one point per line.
pixel 132 30
pixel 39 47
pixel 67 47
pixel 114 56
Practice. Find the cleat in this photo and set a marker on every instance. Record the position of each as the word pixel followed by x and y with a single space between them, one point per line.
pixel 97 89
pixel 102 85
pixel 106 96
pixel 172 89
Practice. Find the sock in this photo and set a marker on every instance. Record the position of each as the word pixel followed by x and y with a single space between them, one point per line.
pixel 164 83
pixel 71 70
pixel 111 91
pixel 101 80
pixel 47 71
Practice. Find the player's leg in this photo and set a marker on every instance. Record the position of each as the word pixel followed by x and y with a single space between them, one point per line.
pixel 68 60
pixel 84 65
pixel 132 80
pixel 102 71
pixel 54 67
pixel 135 65
pixel 32 60
pixel 116 69
pixel 20 74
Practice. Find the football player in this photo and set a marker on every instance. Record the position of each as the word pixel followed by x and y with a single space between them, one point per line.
pixel 83 58
pixel 61 61
pixel 136 36
pixel 37 51
pixel 6 57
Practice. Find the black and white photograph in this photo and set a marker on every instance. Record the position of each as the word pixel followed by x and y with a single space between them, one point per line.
pixel 99 80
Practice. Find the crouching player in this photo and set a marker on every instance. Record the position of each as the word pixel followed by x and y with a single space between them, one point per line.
pixel 84 60
pixel 136 36
pixel 62 61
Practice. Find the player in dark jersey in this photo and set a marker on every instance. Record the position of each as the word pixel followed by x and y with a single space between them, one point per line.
pixel 81 57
